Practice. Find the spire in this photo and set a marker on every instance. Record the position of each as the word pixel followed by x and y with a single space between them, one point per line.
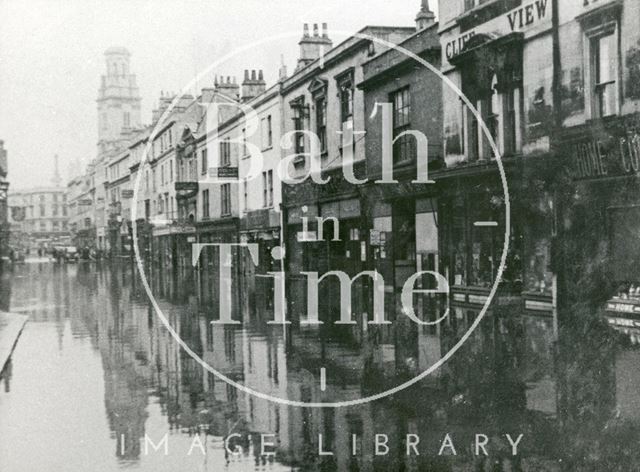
pixel 425 16
pixel 56 180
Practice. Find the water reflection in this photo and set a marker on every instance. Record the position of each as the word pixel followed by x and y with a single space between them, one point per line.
pixel 95 372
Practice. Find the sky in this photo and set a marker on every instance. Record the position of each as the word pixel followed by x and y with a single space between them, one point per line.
pixel 51 60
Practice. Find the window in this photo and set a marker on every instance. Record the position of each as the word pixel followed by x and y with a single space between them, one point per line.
pixel 225 152
pixel 245 152
pixel 267 133
pixel 64 210
pixel 54 210
pixel 205 161
pixel 403 146
pixel 267 189
pixel 299 108
pixel 42 210
pixel 225 199
pixel 127 119
pixel 245 185
pixel 605 72
pixel 205 203
pixel 345 87
pixel 162 174
pixel 469 4
pixel 321 122
pixel 171 170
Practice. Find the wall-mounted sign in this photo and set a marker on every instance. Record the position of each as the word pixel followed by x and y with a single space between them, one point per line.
pixel 186 189
pixel 521 19
pixel 607 149
pixel 224 172
pixel 127 194
pixel 85 202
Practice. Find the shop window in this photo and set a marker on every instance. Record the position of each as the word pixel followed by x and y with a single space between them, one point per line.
pixel 604 57
pixel 404 146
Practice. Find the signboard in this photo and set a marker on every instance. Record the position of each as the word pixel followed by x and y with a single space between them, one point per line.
pixel 307 236
pixel 85 202
pixel 186 189
pixel 621 307
pixel 607 149
pixel 224 172
pixel 127 194
pixel 186 186
pixel 375 237
pixel 534 16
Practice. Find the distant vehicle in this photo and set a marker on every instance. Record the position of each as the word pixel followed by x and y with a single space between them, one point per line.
pixel 70 254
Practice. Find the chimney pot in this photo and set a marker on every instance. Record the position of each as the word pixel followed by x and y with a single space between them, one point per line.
pixel 306 30
pixel 261 75
pixel 315 30
pixel 246 74
pixel 253 75
pixel 325 33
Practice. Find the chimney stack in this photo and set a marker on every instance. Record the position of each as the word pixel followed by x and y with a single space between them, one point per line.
pixel 253 85
pixel 227 86
pixel 426 17
pixel 312 47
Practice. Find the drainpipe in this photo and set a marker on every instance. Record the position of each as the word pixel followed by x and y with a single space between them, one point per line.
pixel 557 64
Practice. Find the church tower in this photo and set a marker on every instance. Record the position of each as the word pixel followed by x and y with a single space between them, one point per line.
pixel 118 100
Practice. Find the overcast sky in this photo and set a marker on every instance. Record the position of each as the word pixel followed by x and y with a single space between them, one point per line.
pixel 51 59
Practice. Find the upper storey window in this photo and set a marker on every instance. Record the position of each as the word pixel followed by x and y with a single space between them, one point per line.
pixel 604 53
pixel 602 58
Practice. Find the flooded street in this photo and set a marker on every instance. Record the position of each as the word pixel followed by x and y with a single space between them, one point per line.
pixel 95 373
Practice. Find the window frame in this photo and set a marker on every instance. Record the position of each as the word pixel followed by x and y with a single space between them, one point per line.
pixel 596 87
pixel 404 148
pixel 225 199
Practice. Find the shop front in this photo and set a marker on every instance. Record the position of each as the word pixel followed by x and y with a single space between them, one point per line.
pixel 326 231
pixel 603 159
pixel 208 271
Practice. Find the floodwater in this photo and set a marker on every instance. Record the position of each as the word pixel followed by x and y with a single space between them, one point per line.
pixel 97 383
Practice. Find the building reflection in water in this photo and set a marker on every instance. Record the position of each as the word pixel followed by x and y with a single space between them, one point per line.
pixel 573 397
